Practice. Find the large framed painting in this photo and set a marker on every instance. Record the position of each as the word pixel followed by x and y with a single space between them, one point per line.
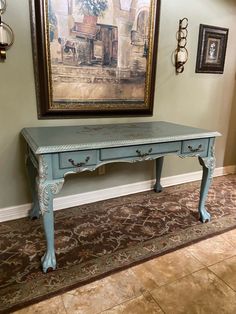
pixel 212 45
pixel 95 57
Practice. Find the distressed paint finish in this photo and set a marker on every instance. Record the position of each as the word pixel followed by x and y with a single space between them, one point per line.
pixel 208 166
pixel 57 151
pixel 32 173
pixel 45 184
pixel 72 138
pixel 47 188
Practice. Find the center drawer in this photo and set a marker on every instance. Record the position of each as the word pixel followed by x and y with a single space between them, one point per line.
pixel 139 150
pixel 78 159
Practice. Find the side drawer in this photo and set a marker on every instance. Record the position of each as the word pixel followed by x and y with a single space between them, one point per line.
pixel 139 150
pixel 77 159
pixel 199 146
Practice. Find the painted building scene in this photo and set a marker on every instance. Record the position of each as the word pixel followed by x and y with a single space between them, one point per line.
pixel 98 49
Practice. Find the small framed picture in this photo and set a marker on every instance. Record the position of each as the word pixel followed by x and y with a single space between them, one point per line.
pixel 212 45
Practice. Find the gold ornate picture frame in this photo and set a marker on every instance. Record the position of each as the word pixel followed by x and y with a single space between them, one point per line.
pixel 95 57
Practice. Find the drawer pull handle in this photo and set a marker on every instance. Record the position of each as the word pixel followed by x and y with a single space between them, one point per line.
pixel 140 154
pixel 80 164
pixel 194 150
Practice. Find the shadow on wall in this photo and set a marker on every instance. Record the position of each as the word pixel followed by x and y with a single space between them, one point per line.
pixel 231 140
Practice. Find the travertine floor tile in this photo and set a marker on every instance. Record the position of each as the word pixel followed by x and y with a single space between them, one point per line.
pixel 141 305
pixel 212 251
pixel 226 270
pixel 230 237
pixel 51 306
pixel 166 268
pixel 201 292
pixel 103 294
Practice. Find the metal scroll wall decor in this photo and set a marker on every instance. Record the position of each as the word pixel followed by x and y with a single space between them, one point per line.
pixel 181 52
pixel 6 33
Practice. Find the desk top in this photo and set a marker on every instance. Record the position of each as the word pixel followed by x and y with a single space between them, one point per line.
pixel 43 140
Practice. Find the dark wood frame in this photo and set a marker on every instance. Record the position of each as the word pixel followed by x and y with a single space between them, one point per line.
pixel 206 33
pixel 41 57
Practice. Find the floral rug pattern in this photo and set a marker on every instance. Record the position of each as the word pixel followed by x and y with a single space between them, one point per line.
pixel 97 239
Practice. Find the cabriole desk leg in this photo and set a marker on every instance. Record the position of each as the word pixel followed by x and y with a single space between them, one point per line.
pixel 49 258
pixel 159 163
pixel 47 188
pixel 32 173
pixel 208 166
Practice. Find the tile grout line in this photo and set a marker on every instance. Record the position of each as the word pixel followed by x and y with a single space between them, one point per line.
pixel 196 257
pixel 118 304
pixel 193 256
pixel 180 278
pixel 156 302
pixel 131 299
pixel 225 239
pixel 174 280
pixel 187 248
pixel 136 276
pixel 220 261
pixel 223 281
pixel 63 303
pixel 225 259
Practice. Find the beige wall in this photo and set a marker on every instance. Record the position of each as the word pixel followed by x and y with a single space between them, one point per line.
pixel 230 155
pixel 200 100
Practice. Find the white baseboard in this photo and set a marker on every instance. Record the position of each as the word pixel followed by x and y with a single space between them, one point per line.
pixel 16 212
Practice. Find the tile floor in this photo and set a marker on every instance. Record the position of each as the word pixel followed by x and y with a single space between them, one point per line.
pixel 198 279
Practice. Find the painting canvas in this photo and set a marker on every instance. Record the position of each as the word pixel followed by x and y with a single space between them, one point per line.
pixel 95 57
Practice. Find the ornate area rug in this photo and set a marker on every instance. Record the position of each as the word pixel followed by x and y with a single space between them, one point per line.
pixel 98 239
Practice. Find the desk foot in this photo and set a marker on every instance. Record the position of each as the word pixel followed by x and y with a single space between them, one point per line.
pixel 34 212
pixel 48 261
pixel 158 188
pixel 204 215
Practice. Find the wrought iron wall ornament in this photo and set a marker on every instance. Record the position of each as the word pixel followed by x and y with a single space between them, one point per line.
pixel 181 52
pixel 6 33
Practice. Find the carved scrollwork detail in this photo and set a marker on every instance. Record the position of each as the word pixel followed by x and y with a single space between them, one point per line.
pixel 45 192
pixel 144 158
pixel 46 188
pixel 209 162
pixel 43 169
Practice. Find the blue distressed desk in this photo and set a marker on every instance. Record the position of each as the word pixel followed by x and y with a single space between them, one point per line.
pixel 54 152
